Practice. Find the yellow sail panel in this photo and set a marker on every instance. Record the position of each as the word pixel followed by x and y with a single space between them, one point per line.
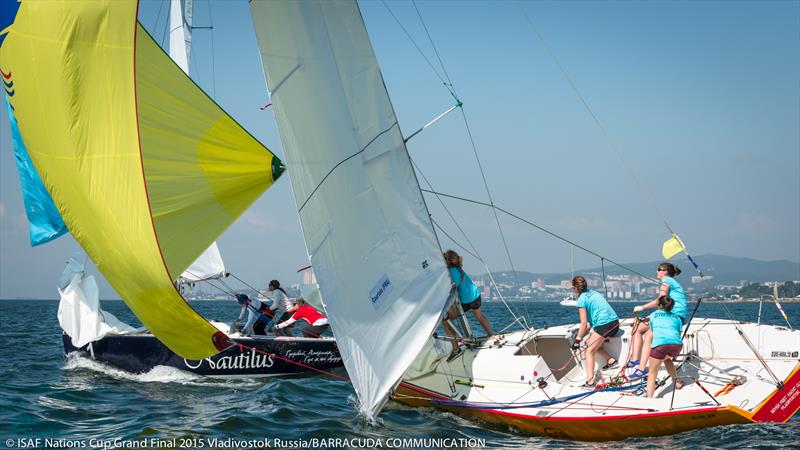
pixel 72 69
pixel 202 169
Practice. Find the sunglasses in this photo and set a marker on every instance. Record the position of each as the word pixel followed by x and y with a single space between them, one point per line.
pixel 661 270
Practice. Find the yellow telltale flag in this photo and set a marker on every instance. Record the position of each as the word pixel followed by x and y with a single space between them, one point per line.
pixel 672 247
pixel 145 169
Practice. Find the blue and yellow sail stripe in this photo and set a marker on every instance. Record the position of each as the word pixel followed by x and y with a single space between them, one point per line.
pixel 145 169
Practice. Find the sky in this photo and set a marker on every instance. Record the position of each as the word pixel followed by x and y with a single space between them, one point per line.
pixel 700 99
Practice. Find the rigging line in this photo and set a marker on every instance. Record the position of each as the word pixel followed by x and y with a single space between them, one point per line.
pixel 472 143
pixel 251 287
pixel 648 197
pixel 324 372
pixel 439 227
pixel 226 290
pixel 193 63
pixel 435 51
pixel 463 233
pixel 430 64
pixel 213 68
pixel 166 27
pixel 342 162
pixel 489 194
pixel 540 228
pixel 778 382
pixel 447 210
pixel 158 16
pixel 520 320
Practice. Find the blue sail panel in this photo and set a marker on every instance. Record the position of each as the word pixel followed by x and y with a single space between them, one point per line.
pixel 45 222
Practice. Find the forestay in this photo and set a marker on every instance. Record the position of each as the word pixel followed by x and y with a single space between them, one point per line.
pixel 366 226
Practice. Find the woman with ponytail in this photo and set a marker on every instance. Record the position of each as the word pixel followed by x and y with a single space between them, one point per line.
pixel 281 304
pixel 667 343
pixel 468 295
pixel 643 336
pixel 599 321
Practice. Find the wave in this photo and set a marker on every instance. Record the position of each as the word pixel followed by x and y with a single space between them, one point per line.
pixel 158 374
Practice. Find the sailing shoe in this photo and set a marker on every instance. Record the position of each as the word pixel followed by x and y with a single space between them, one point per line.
pixel 632 363
pixel 455 354
pixel 638 373
pixel 588 385
pixel 611 365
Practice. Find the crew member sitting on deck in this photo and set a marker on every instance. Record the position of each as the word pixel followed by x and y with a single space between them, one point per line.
pixel 317 323
pixel 256 315
pixel 468 295
pixel 642 337
pixel 667 343
pixel 596 314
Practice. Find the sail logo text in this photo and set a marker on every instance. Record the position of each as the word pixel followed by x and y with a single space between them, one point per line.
pixel 381 289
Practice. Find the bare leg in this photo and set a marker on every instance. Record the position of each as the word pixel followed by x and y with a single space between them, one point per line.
pixel 647 341
pixel 451 333
pixel 672 372
pixel 604 354
pixel 636 339
pixel 484 323
pixel 655 364
pixel 595 343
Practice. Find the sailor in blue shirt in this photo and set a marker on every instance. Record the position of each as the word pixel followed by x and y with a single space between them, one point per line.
pixel 675 291
pixel 469 296
pixel 667 343
pixel 596 314
pixel 642 337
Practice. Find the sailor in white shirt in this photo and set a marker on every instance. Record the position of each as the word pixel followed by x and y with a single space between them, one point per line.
pixel 256 322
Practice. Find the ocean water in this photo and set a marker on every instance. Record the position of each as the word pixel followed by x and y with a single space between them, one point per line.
pixel 79 403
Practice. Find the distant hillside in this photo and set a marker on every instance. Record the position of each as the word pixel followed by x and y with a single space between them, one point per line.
pixel 723 269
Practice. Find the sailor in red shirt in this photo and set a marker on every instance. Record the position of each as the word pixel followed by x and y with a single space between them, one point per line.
pixel 317 323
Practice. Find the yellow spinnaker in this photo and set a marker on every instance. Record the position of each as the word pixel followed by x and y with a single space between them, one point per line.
pixel 145 169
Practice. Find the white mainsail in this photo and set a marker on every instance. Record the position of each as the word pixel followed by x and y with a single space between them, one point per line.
pixel 180 33
pixel 365 223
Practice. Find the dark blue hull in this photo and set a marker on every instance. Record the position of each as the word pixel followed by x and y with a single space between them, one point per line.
pixel 140 353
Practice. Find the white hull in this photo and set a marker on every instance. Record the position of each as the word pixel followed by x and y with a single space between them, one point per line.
pixel 500 381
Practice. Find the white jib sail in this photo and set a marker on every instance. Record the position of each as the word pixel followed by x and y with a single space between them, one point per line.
pixel 207 266
pixel 365 223
pixel 180 32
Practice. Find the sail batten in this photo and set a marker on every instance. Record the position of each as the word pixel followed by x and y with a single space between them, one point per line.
pixel 365 224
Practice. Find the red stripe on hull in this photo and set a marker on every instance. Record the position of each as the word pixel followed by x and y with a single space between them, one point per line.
pixel 783 403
